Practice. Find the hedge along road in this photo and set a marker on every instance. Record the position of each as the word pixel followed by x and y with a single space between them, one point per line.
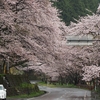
pixel 63 94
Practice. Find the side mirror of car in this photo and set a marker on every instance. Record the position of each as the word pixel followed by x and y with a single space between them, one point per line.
pixel 5 89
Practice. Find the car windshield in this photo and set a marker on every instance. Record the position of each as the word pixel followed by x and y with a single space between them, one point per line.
pixel 1 87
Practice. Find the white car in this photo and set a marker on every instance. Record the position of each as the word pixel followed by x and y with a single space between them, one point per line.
pixel 2 92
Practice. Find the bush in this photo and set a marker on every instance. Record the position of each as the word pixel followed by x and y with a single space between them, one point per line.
pixel 27 85
pixel 25 88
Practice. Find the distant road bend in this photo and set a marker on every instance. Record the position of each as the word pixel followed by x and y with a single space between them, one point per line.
pixel 63 94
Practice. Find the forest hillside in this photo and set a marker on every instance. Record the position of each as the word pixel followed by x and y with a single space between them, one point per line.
pixel 71 10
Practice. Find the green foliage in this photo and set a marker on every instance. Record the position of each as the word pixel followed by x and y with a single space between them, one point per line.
pixel 1 75
pixel 72 9
pixel 27 85
pixel 58 85
pixel 31 95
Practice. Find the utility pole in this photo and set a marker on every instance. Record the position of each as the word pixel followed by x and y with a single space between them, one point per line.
pixel 8 65
pixel 98 40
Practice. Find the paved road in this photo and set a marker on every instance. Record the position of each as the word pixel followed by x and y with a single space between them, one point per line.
pixel 64 94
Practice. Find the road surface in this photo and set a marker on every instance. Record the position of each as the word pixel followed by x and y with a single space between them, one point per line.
pixel 63 94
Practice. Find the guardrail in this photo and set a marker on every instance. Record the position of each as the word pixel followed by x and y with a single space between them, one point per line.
pixel 86 87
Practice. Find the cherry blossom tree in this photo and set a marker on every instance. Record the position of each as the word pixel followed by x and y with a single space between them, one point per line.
pixel 32 34
pixel 30 31
pixel 90 72
pixel 98 9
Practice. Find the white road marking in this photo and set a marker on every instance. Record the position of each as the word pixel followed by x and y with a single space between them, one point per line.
pixel 60 98
pixel 85 95
pixel 30 99
pixel 45 94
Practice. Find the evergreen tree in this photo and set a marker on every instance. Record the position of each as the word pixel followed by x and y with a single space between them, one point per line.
pixel 72 9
